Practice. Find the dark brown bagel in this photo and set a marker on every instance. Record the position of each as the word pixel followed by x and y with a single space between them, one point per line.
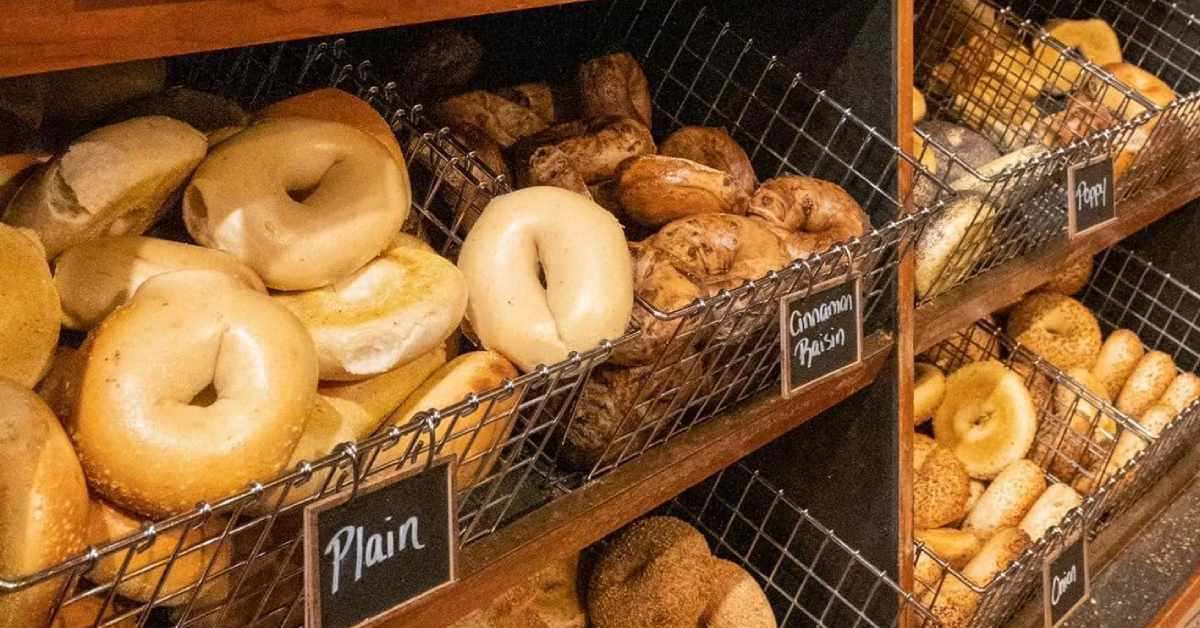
pixel 614 85
pixel 714 148
pixel 655 190
pixel 810 215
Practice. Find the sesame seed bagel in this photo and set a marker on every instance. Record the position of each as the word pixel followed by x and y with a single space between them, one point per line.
pixel 1006 499
pixel 1070 277
pixel 1184 389
pixel 1118 356
pixel 1147 383
pixel 1058 328
pixel 941 486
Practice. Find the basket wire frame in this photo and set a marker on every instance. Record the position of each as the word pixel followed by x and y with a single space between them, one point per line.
pixel 1163 39
pixel 976 69
pixel 1077 433
pixel 724 347
pixel 258 529
pixel 810 576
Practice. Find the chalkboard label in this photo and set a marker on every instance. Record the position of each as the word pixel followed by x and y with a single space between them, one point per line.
pixel 1090 200
pixel 1065 581
pixel 366 557
pixel 821 332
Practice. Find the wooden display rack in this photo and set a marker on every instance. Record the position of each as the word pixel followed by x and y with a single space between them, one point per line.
pixel 60 34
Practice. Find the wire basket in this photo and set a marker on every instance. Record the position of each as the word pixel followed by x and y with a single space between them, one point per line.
pixel 695 361
pixel 978 69
pixel 244 549
pixel 1128 292
pixel 810 576
pixel 1077 434
pixel 1161 38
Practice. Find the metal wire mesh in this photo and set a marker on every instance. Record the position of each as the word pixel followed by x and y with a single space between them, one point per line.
pixel 810 576
pixel 1163 39
pixel 240 556
pixel 1077 434
pixel 695 361
pixel 984 69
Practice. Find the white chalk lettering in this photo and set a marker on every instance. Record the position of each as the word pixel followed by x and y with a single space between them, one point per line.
pixel 799 322
pixel 1061 585
pixel 1092 195
pixel 808 349
pixel 380 547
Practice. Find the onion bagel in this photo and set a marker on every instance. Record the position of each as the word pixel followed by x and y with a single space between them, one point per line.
pixel 97 276
pixel 654 190
pixel 1147 383
pixel 581 249
pixel 1055 502
pixel 988 419
pixel 956 603
pixel 615 85
pixel 29 308
pixel 141 577
pixel 714 148
pixel 115 180
pixel 929 388
pixel 1155 419
pixel 653 574
pixel 225 382
pixel 1184 389
pixel 305 221
pixel 809 215
pixel 941 486
pixel 1118 356
pixel 399 306
pixel 1006 499
pixel 334 105
pixel 43 503
pixel 1058 328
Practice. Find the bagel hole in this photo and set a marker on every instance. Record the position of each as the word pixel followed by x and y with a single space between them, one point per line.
pixel 301 194
pixel 205 397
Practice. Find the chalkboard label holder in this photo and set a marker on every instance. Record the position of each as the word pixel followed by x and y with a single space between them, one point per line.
pixel 1080 537
pixel 1073 230
pixel 785 345
pixel 312 579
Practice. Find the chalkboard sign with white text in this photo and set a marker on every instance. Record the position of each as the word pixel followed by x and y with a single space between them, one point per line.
pixel 821 333
pixel 1090 200
pixel 1065 581
pixel 393 543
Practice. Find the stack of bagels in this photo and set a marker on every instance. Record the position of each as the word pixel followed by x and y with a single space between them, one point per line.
pixel 1012 451
pixel 143 375
pixel 704 221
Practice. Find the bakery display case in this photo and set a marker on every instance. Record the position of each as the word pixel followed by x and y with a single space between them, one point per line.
pixel 557 243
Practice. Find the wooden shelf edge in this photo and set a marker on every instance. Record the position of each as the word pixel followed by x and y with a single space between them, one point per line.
pixel 991 291
pixel 574 521
pixel 63 34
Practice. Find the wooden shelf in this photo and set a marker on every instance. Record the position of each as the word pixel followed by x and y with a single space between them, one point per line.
pixel 60 34
pixel 575 521
pixel 991 291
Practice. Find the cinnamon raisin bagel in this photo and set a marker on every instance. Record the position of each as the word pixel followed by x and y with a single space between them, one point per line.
pixel 615 85
pixel 655 189
pixel 1058 328
pixel 810 215
pixel 714 148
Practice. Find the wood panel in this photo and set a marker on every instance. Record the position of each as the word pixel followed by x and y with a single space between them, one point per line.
pixel 575 521
pixel 59 34
pixel 991 291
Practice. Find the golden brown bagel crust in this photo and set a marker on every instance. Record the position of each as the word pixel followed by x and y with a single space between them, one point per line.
pixel 1070 278
pixel 43 503
pixel 654 190
pixel 1147 383
pixel 1119 355
pixel 334 105
pixel 1184 389
pixel 1058 328
pixel 146 438
pixel 736 600
pixel 1006 499
pixel 29 308
pixel 810 215
pixel 941 488
pixel 714 148
pixel 614 85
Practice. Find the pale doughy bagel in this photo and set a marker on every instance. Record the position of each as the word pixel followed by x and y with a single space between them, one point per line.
pixel 1072 277
pixel 809 215
pixel 941 487
pixel 334 105
pixel 60 387
pixel 29 308
pixel 929 388
pixel 1058 328
pixel 1119 355
pixel 352 196
pixel 1155 419
pixel 195 373
pixel 95 277
pixel 115 180
pixel 43 503
pixel 654 189
pixel 140 581
pixel 581 249
pixel 477 437
pixel 988 418
pixel 1147 383
pixel 714 148
pixel 1184 389
pixel 399 306
pixel 368 402
pixel 1049 509
pixel 736 599
pixel 956 547
pixel 1006 499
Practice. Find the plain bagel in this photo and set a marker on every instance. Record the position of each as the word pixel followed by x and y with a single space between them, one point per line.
pixel 301 221
pixel 334 105
pixel 399 306
pixel 97 276
pixel 581 249
pixel 155 418
pixel 29 307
